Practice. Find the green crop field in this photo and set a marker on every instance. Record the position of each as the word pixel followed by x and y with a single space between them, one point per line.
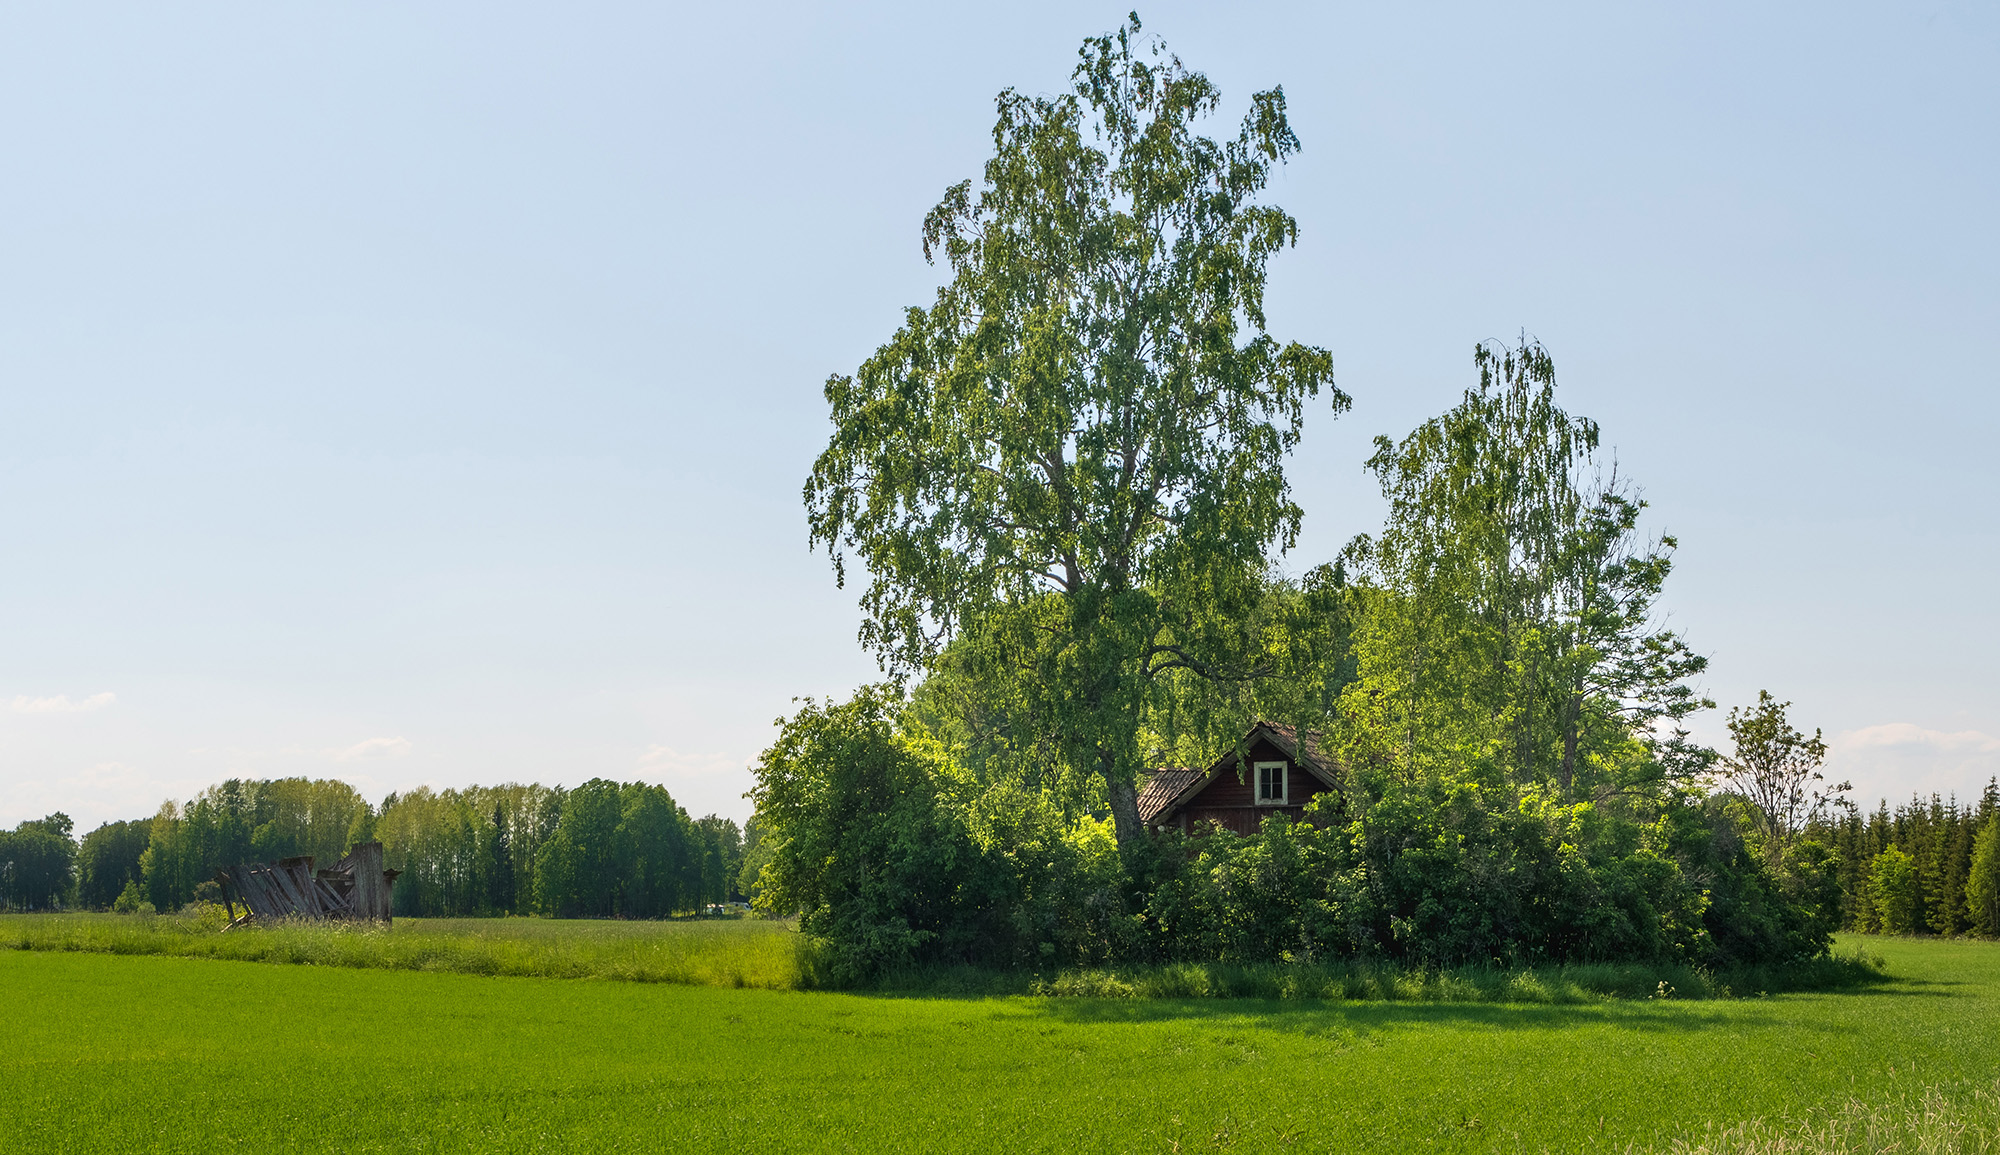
pixel 108 1052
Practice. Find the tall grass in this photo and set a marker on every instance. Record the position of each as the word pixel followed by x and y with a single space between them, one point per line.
pixel 774 956
pixel 764 955
pixel 1934 1121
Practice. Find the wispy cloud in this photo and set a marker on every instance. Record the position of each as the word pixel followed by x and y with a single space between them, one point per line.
pixel 1897 759
pixel 667 762
pixel 373 749
pixel 61 704
pixel 1903 734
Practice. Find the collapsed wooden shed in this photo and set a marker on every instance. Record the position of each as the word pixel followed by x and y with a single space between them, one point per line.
pixel 356 888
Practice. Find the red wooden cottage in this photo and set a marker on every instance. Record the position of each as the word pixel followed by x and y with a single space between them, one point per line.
pixel 1278 774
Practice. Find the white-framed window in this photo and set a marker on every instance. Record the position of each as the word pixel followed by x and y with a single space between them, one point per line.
pixel 1271 783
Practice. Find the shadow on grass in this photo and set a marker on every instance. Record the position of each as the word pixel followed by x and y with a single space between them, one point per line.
pixel 1359 1020
pixel 1373 982
pixel 1362 1019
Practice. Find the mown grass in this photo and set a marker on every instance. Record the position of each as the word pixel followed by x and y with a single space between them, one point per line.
pixel 106 1053
pixel 773 956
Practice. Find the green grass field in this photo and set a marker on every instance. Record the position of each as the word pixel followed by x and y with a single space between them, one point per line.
pixel 107 1052
pixel 772 956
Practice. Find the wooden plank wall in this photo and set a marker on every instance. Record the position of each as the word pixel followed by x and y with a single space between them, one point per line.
pixel 371 898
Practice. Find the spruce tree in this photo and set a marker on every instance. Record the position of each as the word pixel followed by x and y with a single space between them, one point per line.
pixel 1982 885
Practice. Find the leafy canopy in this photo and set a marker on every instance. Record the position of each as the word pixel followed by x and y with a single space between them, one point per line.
pixel 1776 769
pixel 1509 604
pixel 1078 408
pixel 1088 427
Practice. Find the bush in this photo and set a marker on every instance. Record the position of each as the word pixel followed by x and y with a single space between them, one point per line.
pixel 1445 876
pixel 861 847
pixel 899 859
pixel 1893 883
pixel 131 900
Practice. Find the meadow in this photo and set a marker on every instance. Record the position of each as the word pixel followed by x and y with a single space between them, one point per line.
pixel 126 1052
pixel 726 952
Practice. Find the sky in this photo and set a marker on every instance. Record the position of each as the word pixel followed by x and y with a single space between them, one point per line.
pixel 422 395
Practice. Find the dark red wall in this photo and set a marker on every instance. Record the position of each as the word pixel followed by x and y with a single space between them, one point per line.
pixel 1232 801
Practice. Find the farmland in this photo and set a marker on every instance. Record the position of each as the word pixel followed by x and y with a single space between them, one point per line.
pixel 104 1052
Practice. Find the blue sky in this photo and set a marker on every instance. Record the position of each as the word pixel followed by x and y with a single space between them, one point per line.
pixel 423 397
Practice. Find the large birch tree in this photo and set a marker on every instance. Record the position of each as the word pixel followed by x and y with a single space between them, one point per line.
pixel 1081 443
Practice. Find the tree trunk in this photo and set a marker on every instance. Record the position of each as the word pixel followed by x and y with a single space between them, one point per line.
pixel 1572 725
pixel 1124 801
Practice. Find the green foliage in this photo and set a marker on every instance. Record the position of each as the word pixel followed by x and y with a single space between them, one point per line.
pixel 107 862
pixel 1775 768
pixel 1506 627
pixel 660 864
pixel 719 850
pixel 1079 447
pixel 131 900
pixel 862 846
pixel 37 864
pixel 1982 885
pixel 497 863
pixel 247 821
pixel 896 858
pixel 756 855
pixel 1941 839
pixel 1756 914
pixel 575 871
pixel 1893 884
pixel 1518 785
pixel 628 851
pixel 1445 878
pixel 467 852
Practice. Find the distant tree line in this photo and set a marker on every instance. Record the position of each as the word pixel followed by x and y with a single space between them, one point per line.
pixel 1925 868
pixel 602 849
pixel 37 860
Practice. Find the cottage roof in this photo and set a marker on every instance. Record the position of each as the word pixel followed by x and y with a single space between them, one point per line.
pixel 1166 790
pixel 1162 787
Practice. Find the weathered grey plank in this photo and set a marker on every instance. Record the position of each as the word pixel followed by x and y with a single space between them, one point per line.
pixel 357 888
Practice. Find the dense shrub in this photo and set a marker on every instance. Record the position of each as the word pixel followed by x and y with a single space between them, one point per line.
pixel 899 858
pixel 860 846
pixel 1455 882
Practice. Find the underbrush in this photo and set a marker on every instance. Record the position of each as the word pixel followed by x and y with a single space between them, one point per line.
pixel 773 956
pixel 1931 1121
